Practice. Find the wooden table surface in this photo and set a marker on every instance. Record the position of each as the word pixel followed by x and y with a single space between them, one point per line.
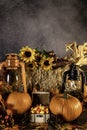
pixel 36 126
pixel 66 126
pixel 44 126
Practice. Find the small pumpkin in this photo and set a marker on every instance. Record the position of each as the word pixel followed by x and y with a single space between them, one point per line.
pixel 70 108
pixel 19 102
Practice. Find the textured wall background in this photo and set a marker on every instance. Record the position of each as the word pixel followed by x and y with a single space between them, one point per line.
pixel 45 24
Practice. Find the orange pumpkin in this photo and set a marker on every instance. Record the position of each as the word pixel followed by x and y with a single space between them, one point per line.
pixel 19 102
pixel 70 108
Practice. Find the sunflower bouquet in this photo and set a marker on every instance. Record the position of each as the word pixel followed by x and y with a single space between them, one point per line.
pixel 41 67
pixel 35 58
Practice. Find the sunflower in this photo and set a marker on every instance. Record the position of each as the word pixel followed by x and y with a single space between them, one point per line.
pixel 46 63
pixel 32 65
pixel 38 58
pixel 27 54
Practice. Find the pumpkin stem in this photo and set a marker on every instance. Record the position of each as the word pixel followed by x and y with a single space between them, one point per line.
pixel 65 94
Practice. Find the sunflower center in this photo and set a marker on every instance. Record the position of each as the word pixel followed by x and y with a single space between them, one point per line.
pixel 27 54
pixel 46 63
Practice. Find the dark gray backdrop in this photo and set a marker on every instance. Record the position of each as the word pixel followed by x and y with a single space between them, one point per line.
pixel 45 24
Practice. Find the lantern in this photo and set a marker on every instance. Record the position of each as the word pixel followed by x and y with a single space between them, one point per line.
pixel 73 80
pixel 12 76
pixel 15 72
